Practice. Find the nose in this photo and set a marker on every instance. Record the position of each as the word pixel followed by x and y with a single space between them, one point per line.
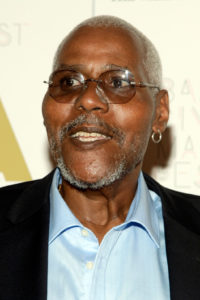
pixel 91 98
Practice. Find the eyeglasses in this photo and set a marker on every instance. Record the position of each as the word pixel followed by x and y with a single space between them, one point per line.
pixel 116 86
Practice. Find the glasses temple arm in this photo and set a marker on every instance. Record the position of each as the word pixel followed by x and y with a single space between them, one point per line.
pixel 145 84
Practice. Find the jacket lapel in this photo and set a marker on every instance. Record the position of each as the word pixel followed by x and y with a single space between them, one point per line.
pixel 182 233
pixel 24 262
pixel 183 253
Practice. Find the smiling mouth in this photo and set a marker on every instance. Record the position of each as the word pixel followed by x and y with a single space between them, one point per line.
pixel 88 137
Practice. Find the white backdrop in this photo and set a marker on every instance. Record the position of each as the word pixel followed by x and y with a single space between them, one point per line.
pixel 30 31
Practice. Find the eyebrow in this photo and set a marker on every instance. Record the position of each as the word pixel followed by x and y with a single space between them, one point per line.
pixel 69 67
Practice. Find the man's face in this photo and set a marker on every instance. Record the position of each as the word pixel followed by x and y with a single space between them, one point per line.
pixel 96 143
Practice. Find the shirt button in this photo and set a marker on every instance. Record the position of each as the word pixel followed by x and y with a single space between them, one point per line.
pixel 84 232
pixel 89 265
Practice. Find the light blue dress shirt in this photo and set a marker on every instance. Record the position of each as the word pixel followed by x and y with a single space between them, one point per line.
pixel 130 263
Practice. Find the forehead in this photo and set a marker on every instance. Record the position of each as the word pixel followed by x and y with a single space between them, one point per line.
pixel 96 47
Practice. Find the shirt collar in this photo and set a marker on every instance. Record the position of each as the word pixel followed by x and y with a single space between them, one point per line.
pixel 61 217
pixel 142 211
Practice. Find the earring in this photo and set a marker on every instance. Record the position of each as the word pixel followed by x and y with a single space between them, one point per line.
pixel 157 139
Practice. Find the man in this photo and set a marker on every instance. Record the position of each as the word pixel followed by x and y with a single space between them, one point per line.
pixel 96 228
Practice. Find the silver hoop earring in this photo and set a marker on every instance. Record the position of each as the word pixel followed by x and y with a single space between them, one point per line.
pixel 156 136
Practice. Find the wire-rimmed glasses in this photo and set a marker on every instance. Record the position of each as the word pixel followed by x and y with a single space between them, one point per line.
pixel 116 86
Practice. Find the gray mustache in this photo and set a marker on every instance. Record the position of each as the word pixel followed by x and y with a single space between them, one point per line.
pixel 91 120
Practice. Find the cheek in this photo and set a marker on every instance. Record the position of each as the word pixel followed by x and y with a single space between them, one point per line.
pixel 55 114
pixel 135 119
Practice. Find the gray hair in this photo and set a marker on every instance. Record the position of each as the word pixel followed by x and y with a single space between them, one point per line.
pixel 151 60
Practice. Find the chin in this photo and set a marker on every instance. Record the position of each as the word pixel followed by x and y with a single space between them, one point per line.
pixel 98 183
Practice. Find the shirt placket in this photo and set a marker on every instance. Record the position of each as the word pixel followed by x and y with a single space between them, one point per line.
pixel 98 285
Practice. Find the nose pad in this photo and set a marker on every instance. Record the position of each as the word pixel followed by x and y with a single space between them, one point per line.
pixel 92 98
pixel 101 94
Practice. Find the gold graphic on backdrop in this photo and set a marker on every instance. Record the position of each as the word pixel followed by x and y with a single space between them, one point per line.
pixel 12 163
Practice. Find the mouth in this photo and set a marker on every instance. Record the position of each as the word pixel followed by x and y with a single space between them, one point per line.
pixel 88 135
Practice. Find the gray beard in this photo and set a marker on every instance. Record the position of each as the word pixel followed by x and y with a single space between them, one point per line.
pixel 107 180
pixel 117 172
pixel 124 162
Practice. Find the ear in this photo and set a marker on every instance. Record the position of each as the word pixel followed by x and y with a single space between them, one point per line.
pixel 161 111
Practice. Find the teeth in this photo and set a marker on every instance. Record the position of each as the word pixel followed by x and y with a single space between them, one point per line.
pixel 88 136
pixel 84 139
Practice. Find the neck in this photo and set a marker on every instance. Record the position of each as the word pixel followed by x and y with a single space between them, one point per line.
pixel 100 210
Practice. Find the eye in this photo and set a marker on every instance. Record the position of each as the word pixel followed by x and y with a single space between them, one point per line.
pixel 69 82
pixel 117 82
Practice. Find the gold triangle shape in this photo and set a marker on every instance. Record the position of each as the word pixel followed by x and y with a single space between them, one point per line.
pixel 12 163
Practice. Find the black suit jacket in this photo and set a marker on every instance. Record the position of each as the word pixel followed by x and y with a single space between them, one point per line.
pixel 24 226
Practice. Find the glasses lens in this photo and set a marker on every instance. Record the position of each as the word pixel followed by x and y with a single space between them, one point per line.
pixel 118 86
pixel 66 85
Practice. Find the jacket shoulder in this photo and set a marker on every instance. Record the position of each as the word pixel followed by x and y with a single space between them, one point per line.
pixel 8 194
pixel 23 199
pixel 181 207
pixel 173 194
pixel 11 192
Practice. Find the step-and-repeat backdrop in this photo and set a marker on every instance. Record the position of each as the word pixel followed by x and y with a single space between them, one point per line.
pixel 30 31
